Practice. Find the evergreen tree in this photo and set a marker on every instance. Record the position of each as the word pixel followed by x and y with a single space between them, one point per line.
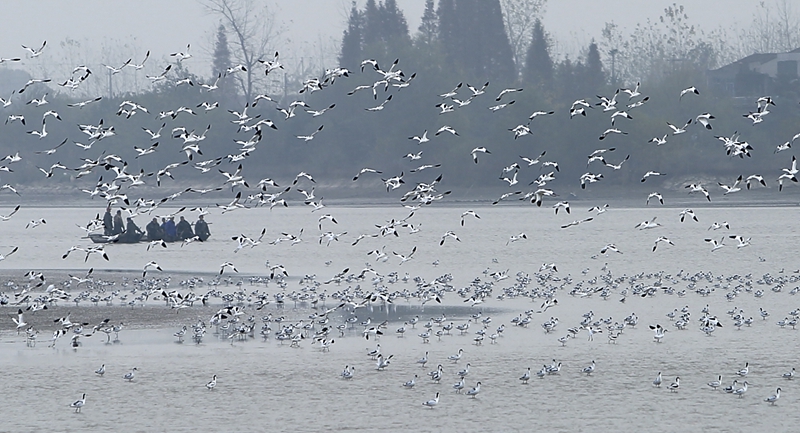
pixel 498 57
pixel 222 61
pixel 395 26
pixel 594 76
pixel 350 56
pixel 222 52
pixel 538 69
pixel 448 27
pixel 385 31
pixel 473 35
pixel 428 29
pixel 564 79
pixel 372 23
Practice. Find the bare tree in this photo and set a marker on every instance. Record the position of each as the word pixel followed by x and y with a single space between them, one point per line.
pixel 254 31
pixel 519 17
pixel 774 28
pixel 789 28
pixel 661 47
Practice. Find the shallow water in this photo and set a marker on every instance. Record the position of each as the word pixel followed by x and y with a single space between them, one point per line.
pixel 263 384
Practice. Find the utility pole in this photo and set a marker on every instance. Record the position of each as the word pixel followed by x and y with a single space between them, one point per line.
pixel 110 85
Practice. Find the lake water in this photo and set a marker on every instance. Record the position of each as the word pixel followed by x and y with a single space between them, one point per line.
pixel 266 385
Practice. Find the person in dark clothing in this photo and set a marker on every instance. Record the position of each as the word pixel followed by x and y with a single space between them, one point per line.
pixel 163 228
pixel 132 233
pixel 170 232
pixel 184 229
pixel 201 229
pixel 119 224
pixel 108 222
pixel 154 232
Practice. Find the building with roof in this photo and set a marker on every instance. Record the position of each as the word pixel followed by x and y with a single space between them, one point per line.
pixel 757 75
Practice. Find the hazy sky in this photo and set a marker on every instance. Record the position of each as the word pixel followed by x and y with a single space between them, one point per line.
pixel 168 26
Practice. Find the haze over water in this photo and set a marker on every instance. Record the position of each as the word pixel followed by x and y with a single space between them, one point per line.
pixel 266 384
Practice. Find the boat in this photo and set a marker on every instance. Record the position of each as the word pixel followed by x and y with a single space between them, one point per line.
pixel 99 238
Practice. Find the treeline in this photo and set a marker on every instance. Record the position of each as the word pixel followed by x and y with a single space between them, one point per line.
pixel 460 48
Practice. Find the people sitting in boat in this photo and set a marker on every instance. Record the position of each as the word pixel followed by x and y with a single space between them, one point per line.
pixel 119 224
pixel 108 222
pixel 184 229
pixel 201 229
pixel 170 231
pixel 154 231
pixel 132 233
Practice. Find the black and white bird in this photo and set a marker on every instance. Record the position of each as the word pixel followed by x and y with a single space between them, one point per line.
pixel 499 107
pixel 679 130
pixel 536 114
pixel 150 264
pixel 611 131
pixel 405 258
pixel 616 166
pixel 520 130
pixel 366 170
pixel 421 139
pixel 717 225
pixel 35 223
pixel 113 70
pixel 599 209
pixel 576 222
pixel 688 212
pixel 213 383
pixel 610 247
pixel 648 224
pixel 227 265
pixel 662 239
pixel 533 161
pixel 78 404
pixel 741 241
pixel 477 150
pixel 515 238
pixel 659 332
pixel 673 387
pixel 448 234
pixel 561 205
pixel 732 188
pixel 446 128
pixel 19 320
pixel 656 196
pixel 784 146
pixel 771 399
pixel 632 93
pixel 468 213
pixel 140 66
pixel 714 244
pixel 181 56
pixel 433 402
pixel 310 137
pixel 506 91
pixel 478 91
pixel 689 90
pixel 4 256
pixel 623 114
pixel 129 376
pixel 381 106
pixel 696 187
pixel 704 119
pixel 35 52
pixel 755 178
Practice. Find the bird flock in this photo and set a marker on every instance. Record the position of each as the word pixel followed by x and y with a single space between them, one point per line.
pixel 236 319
